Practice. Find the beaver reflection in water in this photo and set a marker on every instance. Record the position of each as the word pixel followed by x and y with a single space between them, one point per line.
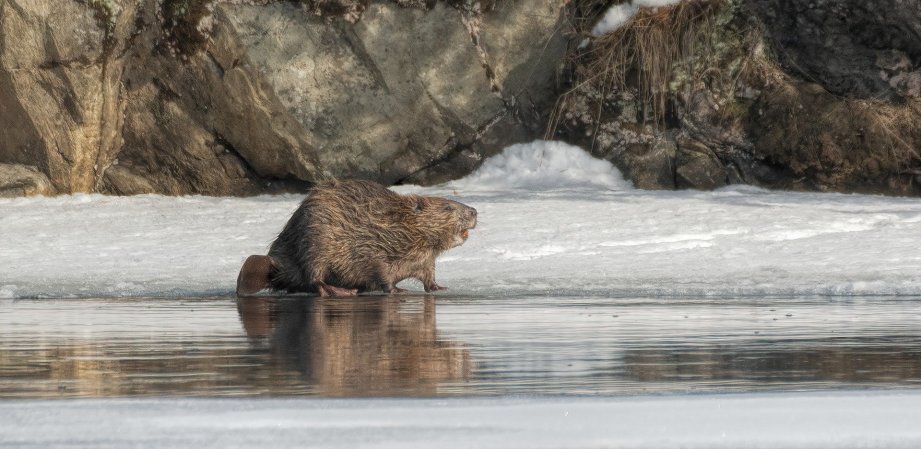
pixel 367 346
pixel 350 236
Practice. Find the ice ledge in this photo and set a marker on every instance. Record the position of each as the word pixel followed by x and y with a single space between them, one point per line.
pixel 878 419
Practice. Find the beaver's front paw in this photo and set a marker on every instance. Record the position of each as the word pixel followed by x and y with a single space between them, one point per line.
pixel 433 287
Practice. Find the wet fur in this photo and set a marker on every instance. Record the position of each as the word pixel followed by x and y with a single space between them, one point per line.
pixel 361 235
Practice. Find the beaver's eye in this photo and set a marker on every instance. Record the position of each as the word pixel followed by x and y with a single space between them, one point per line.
pixel 448 208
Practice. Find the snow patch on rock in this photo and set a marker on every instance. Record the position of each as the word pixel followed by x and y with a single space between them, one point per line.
pixel 618 15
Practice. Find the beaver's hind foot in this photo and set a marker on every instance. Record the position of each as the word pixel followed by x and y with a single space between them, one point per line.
pixel 326 290
pixel 433 287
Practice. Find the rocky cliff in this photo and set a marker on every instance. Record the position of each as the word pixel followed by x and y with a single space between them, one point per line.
pixel 233 97
pixel 789 94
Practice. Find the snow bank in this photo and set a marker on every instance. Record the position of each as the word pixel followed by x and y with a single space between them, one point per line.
pixel 798 420
pixel 618 15
pixel 552 220
pixel 542 166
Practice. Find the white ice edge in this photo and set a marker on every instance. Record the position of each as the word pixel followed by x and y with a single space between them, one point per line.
pixel 552 221
pixel 877 419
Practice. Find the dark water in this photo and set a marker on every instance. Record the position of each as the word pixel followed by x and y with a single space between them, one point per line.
pixel 427 346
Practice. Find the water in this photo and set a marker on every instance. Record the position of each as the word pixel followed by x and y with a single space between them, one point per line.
pixel 425 346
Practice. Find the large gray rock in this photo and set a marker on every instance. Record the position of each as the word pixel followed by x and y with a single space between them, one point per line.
pixel 649 165
pixel 697 167
pixel 23 180
pixel 206 122
pixel 57 96
pixel 110 97
pixel 403 89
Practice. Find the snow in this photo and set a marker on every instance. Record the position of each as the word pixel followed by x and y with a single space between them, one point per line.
pixel 614 18
pixel 541 166
pixel 618 15
pixel 804 420
pixel 552 220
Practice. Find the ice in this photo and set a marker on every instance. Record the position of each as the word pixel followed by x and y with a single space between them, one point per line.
pixel 552 220
pixel 798 420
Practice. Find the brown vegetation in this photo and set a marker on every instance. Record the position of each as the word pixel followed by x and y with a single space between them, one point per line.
pixel 642 53
pixel 705 73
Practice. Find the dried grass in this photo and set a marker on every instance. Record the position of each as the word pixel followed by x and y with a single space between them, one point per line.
pixel 889 130
pixel 642 53
pixel 827 141
pixel 866 129
pixel 851 144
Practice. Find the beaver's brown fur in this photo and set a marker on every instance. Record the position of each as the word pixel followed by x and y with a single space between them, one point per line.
pixel 356 235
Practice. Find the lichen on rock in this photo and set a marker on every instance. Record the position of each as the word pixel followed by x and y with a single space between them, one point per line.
pixel 352 10
pixel 106 12
pixel 185 24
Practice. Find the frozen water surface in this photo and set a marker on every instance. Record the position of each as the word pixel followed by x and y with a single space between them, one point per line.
pixel 582 313
pixel 552 220
pixel 808 421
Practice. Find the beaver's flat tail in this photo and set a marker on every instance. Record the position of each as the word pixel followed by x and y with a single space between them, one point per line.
pixel 254 275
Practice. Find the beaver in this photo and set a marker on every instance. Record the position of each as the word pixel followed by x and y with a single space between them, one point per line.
pixel 354 235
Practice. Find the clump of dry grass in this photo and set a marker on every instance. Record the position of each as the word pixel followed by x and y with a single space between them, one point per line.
pixel 832 140
pixel 895 127
pixel 641 54
pixel 712 71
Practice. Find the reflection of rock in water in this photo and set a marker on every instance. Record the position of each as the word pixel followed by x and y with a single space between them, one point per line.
pixel 884 360
pixel 357 346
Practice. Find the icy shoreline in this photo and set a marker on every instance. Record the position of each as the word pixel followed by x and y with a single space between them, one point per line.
pixel 881 419
pixel 552 221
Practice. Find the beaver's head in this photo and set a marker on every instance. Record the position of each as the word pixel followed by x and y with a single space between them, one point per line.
pixel 454 220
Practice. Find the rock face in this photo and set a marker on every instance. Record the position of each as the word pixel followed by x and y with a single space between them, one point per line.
pixel 791 94
pixel 234 97
pixel 220 98
pixel 53 111
pixel 23 180
pixel 844 45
